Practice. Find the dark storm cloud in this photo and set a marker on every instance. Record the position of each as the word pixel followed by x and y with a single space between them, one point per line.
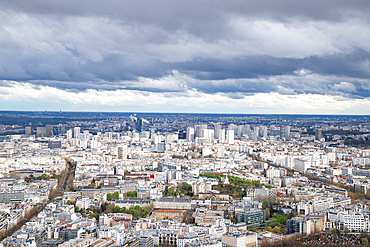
pixel 289 47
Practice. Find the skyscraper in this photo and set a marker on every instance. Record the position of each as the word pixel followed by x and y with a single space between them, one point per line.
pixel 190 134
pixel 318 134
pixel 285 132
pixel 69 134
pixel 139 123
pixel 230 136
pixel 218 128
pixel 76 132
pixel 221 136
pixel 49 130
pixel 28 130
pixel 41 131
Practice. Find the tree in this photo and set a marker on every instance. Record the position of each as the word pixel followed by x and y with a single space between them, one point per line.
pixel 69 202
pixel 136 213
pixel 335 231
pixel 267 210
pixel 137 207
pixel 265 203
pixel 109 196
pixel 77 209
pixel 101 184
pixel 72 189
pixel 276 229
pixel 281 219
pixel 115 195
pixel 117 209
pixel 171 192
pixel 365 241
pixel 186 187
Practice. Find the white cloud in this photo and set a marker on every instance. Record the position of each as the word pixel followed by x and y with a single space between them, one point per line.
pixel 220 102
pixel 344 87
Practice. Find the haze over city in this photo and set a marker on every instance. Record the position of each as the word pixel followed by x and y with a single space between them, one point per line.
pixel 186 56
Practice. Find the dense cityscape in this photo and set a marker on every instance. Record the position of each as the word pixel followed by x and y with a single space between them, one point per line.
pixel 145 179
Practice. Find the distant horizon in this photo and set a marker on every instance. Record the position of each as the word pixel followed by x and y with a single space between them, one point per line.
pixel 190 113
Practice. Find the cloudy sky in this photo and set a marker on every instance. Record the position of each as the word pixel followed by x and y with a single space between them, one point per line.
pixel 266 56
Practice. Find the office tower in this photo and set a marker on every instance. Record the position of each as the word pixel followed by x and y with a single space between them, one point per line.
pixel 28 130
pixel 139 123
pixel 198 130
pixel 41 132
pixel 230 136
pixel 263 131
pixel 61 129
pixel 240 130
pixel 205 133
pixel 221 136
pixel 161 147
pixel 122 152
pixel 190 134
pixel 211 135
pixel 274 131
pixel 247 129
pixel 232 127
pixel 49 130
pixel 110 135
pixel 218 128
pixel 76 132
pixel 69 134
pixel 318 134
pixel 285 132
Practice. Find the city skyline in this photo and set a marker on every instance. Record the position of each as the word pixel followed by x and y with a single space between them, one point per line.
pixel 270 57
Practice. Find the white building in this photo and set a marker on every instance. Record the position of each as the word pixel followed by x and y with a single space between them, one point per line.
pixel 301 165
pixel 230 136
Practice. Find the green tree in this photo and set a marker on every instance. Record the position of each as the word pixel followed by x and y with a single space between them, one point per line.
pixel 365 241
pixel 136 213
pixel 335 231
pixel 171 192
pixel 69 202
pixel 281 219
pixel 109 196
pixel 115 194
pixel 267 210
pixel 187 187
pixel 265 204
pixel 101 184
pixel 137 207
pixel 77 209
pixel 117 209
pixel 72 189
